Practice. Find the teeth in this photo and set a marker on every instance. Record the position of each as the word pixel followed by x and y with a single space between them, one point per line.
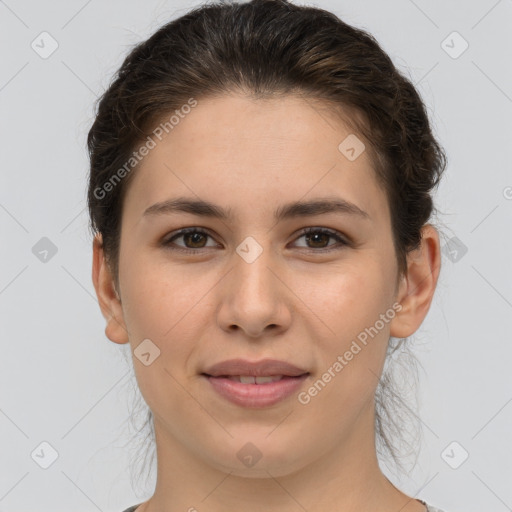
pixel 270 378
pixel 249 379
pixel 246 380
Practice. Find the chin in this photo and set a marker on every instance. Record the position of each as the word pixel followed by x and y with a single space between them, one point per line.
pixel 258 456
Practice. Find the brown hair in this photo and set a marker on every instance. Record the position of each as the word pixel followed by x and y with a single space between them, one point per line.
pixel 268 48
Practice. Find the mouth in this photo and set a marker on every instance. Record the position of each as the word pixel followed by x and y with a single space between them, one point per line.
pixel 255 391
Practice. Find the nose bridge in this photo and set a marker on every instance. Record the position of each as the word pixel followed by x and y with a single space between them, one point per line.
pixel 252 273
pixel 252 300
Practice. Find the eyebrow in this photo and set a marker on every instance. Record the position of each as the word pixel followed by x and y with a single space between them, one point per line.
pixel 291 210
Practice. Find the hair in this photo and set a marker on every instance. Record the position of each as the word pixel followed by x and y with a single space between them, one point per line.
pixel 270 49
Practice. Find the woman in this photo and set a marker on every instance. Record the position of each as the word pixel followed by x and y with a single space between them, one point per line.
pixel 260 192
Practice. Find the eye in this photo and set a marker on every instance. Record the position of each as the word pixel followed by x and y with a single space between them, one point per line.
pixel 195 239
pixel 193 236
pixel 320 235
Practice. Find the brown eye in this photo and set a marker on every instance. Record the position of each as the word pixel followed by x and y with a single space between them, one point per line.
pixel 318 237
pixel 193 238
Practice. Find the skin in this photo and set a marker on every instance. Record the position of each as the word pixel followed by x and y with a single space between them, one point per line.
pixel 291 303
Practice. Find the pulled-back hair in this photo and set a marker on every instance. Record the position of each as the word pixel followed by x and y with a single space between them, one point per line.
pixel 267 49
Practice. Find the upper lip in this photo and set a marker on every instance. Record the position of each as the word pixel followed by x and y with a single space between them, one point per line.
pixel 263 368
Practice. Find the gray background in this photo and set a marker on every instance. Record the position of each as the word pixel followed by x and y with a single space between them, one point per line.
pixel 64 383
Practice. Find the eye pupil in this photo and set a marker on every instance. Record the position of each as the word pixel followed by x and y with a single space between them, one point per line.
pixel 194 235
pixel 315 235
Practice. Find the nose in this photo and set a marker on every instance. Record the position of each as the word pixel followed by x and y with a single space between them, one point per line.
pixel 253 297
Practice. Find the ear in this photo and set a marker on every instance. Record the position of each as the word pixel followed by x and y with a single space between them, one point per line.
pixel 417 288
pixel 108 299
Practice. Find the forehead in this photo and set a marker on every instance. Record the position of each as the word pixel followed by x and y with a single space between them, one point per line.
pixel 239 151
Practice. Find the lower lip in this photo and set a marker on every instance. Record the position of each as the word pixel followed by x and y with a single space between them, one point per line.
pixel 256 395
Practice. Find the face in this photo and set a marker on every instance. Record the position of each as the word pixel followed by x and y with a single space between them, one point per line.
pixel 252 285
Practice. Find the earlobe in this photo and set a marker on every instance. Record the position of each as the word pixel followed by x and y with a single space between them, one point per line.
pixel 108 298
pixel 417 288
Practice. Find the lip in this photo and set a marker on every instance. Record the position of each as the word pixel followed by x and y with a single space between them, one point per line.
pixel 262 368
pixel 256 395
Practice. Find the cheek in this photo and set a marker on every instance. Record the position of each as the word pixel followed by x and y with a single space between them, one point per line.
pixel 350 297
pixel 351 306
pixel 159 303
pixel 162 306
pixel 169 304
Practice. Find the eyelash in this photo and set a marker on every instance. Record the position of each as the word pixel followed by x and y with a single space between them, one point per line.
pixel 306 231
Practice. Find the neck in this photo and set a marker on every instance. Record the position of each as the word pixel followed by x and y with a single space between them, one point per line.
pixel 346 478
